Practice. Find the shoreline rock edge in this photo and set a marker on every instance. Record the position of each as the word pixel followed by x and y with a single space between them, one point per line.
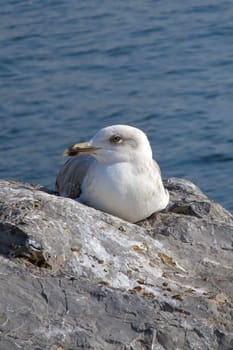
pixel 76 278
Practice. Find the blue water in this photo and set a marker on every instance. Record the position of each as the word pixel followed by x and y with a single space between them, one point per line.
pixel 68 68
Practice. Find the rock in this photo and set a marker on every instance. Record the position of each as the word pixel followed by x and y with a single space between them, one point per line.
pixel 76 278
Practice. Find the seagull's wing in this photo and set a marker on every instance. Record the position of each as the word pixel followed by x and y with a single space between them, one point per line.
pixel 71 175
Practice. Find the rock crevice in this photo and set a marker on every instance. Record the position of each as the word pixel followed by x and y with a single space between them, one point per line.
pixel 76 278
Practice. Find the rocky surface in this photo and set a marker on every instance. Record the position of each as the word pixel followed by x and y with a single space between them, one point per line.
pixel 74 278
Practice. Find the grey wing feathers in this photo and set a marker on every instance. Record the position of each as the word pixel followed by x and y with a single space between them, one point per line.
pixel 71 175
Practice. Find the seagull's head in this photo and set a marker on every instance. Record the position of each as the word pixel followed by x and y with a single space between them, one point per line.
pixel 115 143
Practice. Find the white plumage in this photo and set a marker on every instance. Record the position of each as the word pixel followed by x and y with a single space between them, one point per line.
pixel 114 172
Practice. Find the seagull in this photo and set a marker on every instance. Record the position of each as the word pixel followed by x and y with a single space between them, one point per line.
pixel 114 172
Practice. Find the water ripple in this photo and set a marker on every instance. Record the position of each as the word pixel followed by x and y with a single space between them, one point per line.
pixel 69 68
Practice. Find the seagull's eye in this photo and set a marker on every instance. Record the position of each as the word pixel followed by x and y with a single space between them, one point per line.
pixel 115 139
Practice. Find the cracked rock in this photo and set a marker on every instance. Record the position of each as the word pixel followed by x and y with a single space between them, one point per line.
pixel 73 277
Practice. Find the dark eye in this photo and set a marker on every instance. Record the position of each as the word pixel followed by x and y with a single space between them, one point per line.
pixel 115 139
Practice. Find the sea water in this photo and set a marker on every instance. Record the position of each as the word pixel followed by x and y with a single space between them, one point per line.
pixel 68 68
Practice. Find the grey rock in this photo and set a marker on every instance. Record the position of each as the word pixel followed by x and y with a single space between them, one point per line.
pixel 72 277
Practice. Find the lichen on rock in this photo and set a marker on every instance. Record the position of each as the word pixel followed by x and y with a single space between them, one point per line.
pixel 75 277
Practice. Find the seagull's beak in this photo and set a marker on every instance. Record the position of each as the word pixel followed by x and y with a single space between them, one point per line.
pixel 79 148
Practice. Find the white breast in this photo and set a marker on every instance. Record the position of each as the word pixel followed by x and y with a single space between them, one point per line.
pixel 121 190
